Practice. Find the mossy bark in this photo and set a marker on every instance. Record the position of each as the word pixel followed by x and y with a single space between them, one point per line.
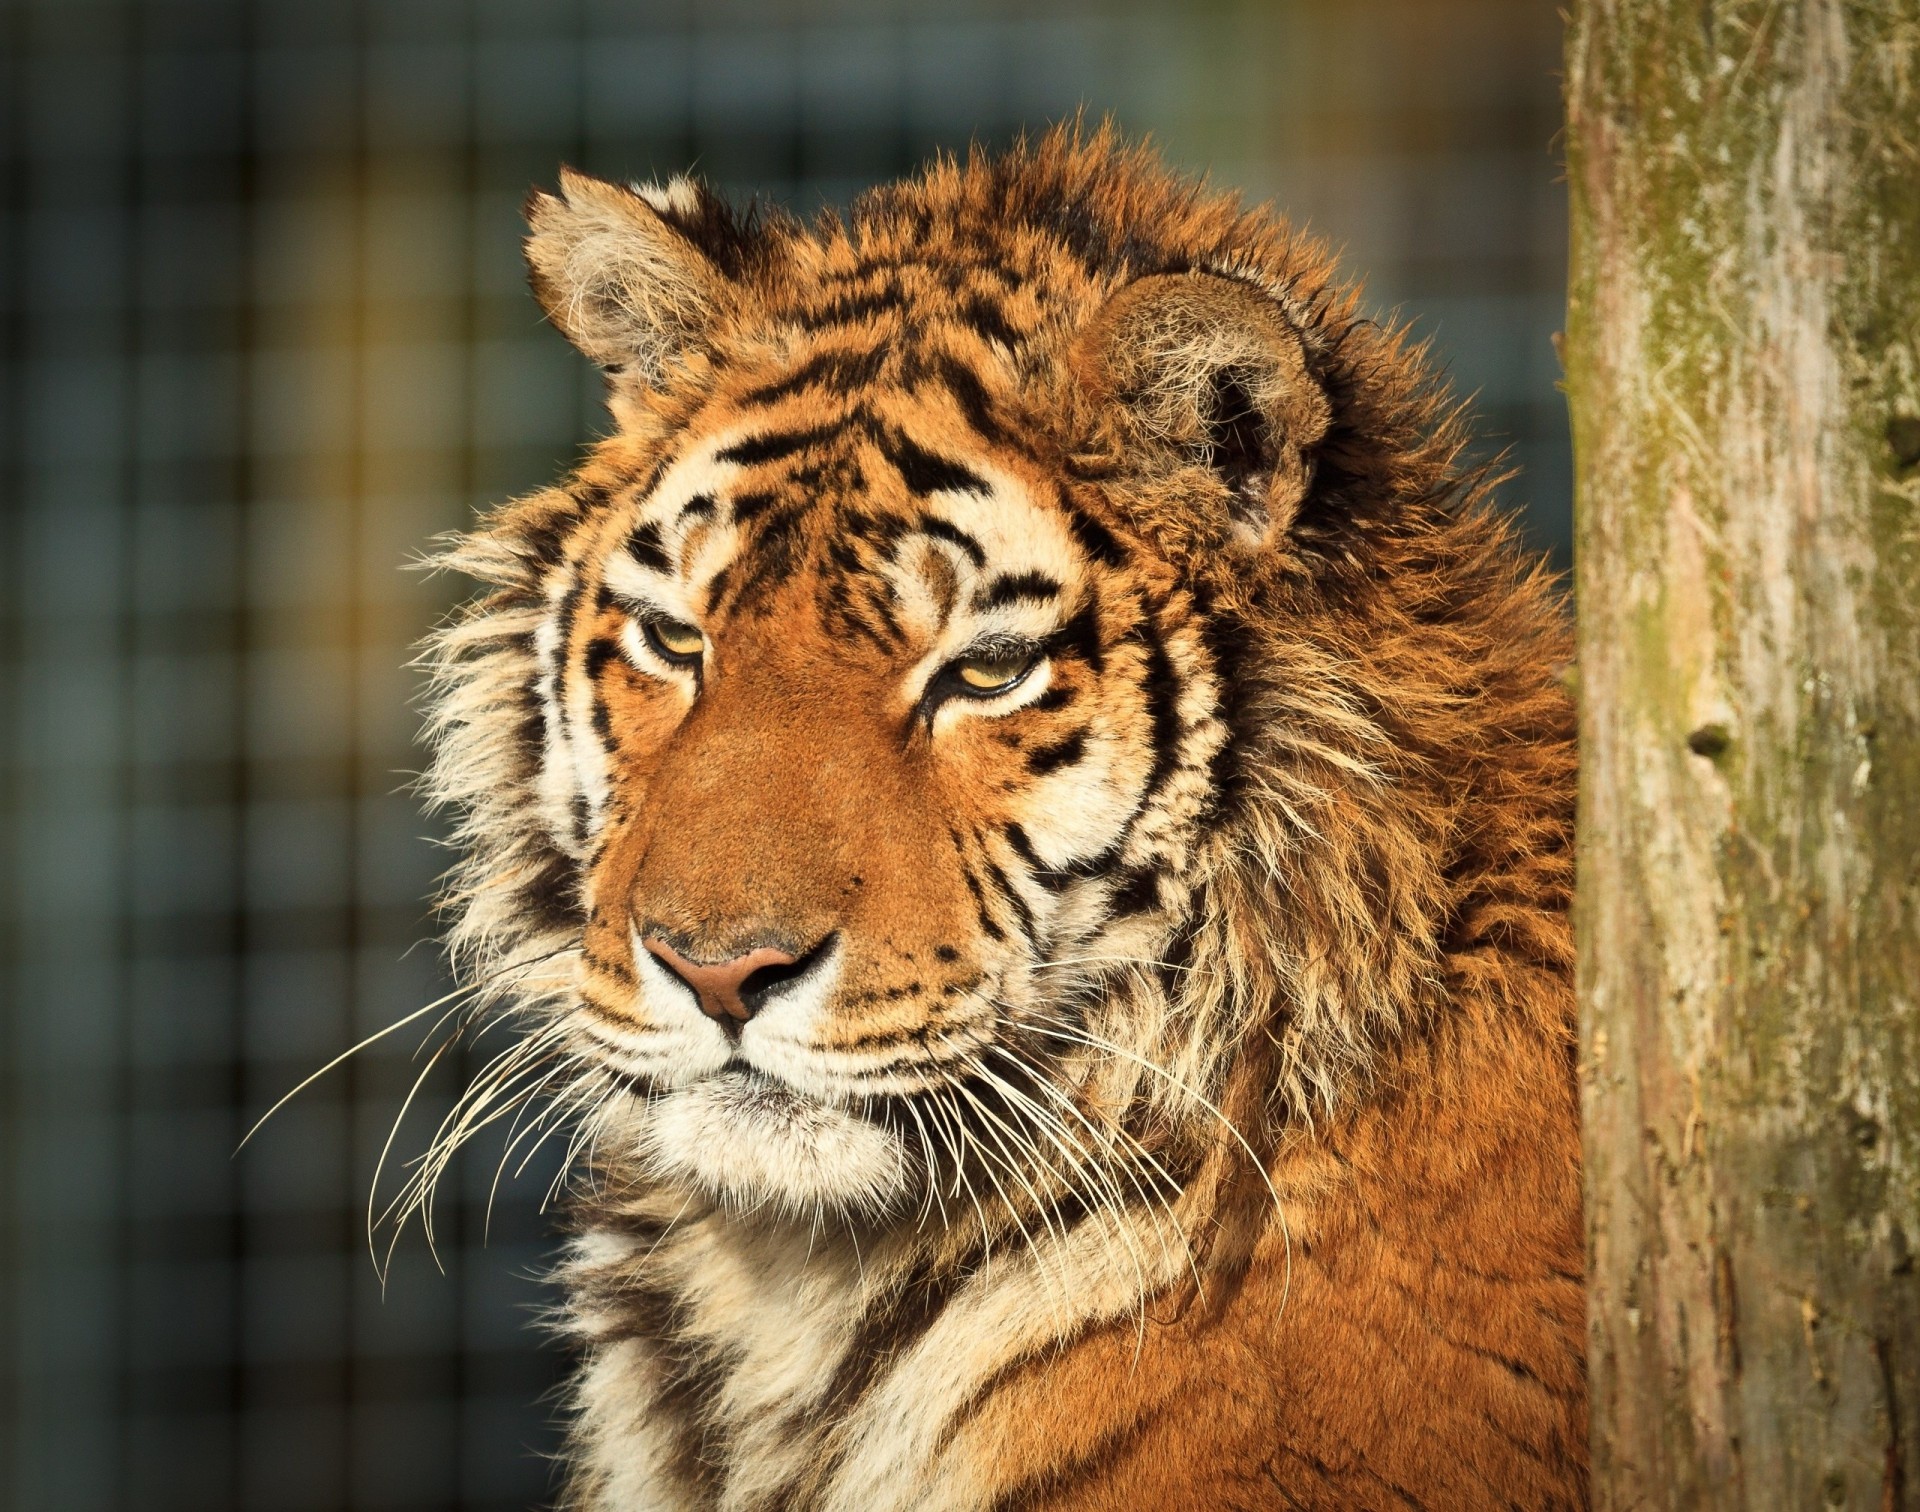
pixel 1743 365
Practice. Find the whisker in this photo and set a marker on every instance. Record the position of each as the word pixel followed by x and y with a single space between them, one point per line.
pixel 1107 1196
pixel 1095 1042
pixel 491 1096
pixel 1006 1198
pixel 373 1187
pixel 1123 960
pixel 593 1089
pixel 489 1084
pixel 468 990
pixel 932 1197
pixel 957 1142
pixel 515 1134
pixel 1148 1201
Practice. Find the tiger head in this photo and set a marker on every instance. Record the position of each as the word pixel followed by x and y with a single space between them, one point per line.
pixel 934 726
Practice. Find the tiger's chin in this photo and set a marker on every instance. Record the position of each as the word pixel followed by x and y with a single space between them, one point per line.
pixel 751 1142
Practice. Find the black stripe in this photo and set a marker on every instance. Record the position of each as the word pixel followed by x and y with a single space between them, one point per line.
pixel 610 966
pixel 1229 641
pixel 545 540
pixel 1022 846
pixel 888 621
pixel 1098 864
pixel 845 555
pixel 738 240
pixel 699 507
pixel 590 496
pixel 891 1328
pixel 1068 1213
pixel 1163 707
pixel 645 546
pixel 1051 758
pixel 846 309
pixel 564 615
pixel 986 319
pixel 889 1039
pixel 1176 961
pixel 924 473
pixel 857 524
pixel 842 623
pixel 646 490
pixel 971 395
pixel 1089 1467
pixel 1138 893
pixel 1094 538
pixel 887 1332
pixel 1081 636
pixel 1004 887
pixel 600 650
pixel 747 506
pixel 775 554
pixel 1048 877
pixel 987 924
pixel 1016 588
pixel 530 732
pixel 756 450
pixel 838 372
pixel 551 896
pixel 691 1381
pixel 946 530
pixel 777 530
pixel 868 619
pixel 1057 696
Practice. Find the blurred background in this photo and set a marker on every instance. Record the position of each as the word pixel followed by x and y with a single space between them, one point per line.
pixel 265 334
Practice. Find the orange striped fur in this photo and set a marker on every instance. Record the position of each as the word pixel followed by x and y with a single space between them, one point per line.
pixel 1021 799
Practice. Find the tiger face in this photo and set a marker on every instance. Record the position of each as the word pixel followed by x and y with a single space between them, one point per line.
pixel 873 689
pixel 865 736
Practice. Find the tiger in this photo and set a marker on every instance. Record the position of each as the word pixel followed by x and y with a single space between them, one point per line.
pixel 1018 804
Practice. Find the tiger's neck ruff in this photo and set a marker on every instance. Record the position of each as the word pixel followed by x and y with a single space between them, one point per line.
pixel 1023 805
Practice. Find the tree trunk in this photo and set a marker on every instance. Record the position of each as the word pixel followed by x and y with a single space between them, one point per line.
pixel 1743 363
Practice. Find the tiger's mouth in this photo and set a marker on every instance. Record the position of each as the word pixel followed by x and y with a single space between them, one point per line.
pixel 810 1098
pixel 746 1138
pixel 762 1095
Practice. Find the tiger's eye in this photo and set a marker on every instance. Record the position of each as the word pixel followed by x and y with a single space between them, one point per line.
pixel 996 672
pixel 676 640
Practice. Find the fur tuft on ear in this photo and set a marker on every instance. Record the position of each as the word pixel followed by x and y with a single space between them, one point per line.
pixel 624 273
pixel 1210 371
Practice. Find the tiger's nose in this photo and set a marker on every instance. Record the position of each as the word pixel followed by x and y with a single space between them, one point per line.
pixel 729 992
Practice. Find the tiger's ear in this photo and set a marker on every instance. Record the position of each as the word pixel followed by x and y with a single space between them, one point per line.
pixel 624 273
pixel 1208 372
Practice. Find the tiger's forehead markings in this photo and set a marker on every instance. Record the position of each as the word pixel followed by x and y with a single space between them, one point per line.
pixel 915 543
pixel 789 490
pixel 980 556
pixel 909 325
pixel 680 535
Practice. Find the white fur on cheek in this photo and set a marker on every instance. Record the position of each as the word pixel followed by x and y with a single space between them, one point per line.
pixel 779 1038
pixel 560 775
pixel 1077 813
pixel 746 1140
